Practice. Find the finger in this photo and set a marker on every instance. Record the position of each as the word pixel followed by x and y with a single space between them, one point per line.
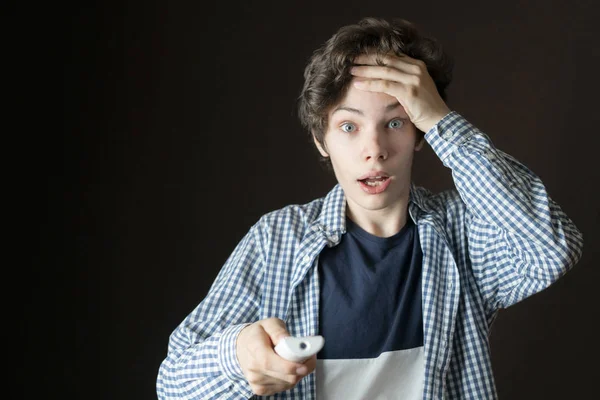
pixel 310 364
pixel 281 373
pixel 388 67
pixel 272 378
pixel 268 361
pixel 385 59
pixel 277 366
pixel 275 328
pixel 389 87
pixel 384 72
pixel 300 370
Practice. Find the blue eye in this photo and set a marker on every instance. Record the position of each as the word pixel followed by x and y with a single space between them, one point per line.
pixel 396 124
pixel 348 127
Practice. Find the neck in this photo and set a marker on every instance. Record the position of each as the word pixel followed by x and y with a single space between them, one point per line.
pixel 383 223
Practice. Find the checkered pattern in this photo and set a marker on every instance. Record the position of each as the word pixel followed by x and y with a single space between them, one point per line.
pixel 496 240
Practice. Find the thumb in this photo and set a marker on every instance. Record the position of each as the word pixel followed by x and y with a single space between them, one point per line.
pixel 275 328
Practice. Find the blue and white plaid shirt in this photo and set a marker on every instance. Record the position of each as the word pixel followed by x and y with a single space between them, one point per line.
pixel 496 240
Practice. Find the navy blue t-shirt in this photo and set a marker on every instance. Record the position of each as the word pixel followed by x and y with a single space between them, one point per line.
pixel 370 300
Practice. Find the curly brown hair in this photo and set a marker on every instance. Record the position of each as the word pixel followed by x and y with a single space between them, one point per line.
pixel 327 76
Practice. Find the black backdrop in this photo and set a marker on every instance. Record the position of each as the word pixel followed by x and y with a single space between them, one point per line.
pixel 180 132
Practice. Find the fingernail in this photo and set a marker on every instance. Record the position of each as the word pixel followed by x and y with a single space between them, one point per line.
pixel 301 370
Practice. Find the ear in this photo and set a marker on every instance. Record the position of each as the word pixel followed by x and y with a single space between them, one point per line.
pixel 319 147
pixel 420 143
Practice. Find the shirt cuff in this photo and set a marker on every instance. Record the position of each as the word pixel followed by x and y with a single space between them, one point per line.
pixel 448 134
pixel 227 353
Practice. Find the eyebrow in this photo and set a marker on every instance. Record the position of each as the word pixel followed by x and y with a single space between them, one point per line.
pixel 359 112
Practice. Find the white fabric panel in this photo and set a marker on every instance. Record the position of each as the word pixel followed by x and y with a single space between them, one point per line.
pixel 393 375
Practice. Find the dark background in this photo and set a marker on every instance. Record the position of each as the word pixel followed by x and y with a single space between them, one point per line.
pixel 179 132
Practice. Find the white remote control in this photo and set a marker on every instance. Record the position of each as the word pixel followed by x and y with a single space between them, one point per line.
pixel 299 349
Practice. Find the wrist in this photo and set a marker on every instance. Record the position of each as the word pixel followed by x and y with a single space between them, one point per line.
pixel 228 354
pixel 433 119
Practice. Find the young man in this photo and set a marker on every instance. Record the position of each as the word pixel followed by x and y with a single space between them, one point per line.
pixel 403 284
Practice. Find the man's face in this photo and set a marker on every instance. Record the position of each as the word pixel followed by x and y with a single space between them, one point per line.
pixel 371 142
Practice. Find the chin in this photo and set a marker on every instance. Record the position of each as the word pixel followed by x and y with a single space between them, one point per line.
pixel 373 202
pixel 377 205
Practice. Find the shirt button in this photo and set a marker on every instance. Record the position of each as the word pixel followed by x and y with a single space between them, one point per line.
pixel 448 134
pixel 306 259
pixel 450 285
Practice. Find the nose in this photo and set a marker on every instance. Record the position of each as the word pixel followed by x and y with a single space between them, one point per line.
pixel 375 146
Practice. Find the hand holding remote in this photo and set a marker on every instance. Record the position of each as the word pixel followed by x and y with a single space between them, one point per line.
pixel 267 372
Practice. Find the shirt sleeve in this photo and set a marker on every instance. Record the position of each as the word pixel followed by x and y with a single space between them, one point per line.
pixel 519 240
pixel 201 362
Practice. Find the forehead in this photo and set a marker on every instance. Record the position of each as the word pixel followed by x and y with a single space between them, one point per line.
pixel 366 104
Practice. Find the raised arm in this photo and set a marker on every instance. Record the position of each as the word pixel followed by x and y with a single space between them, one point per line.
pixel 520 240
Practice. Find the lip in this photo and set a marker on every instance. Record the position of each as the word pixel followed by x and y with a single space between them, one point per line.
pixel 372 174
pixel 375 189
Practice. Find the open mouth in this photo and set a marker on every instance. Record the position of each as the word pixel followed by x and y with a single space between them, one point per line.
pixel 374 180
pixel 374 184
